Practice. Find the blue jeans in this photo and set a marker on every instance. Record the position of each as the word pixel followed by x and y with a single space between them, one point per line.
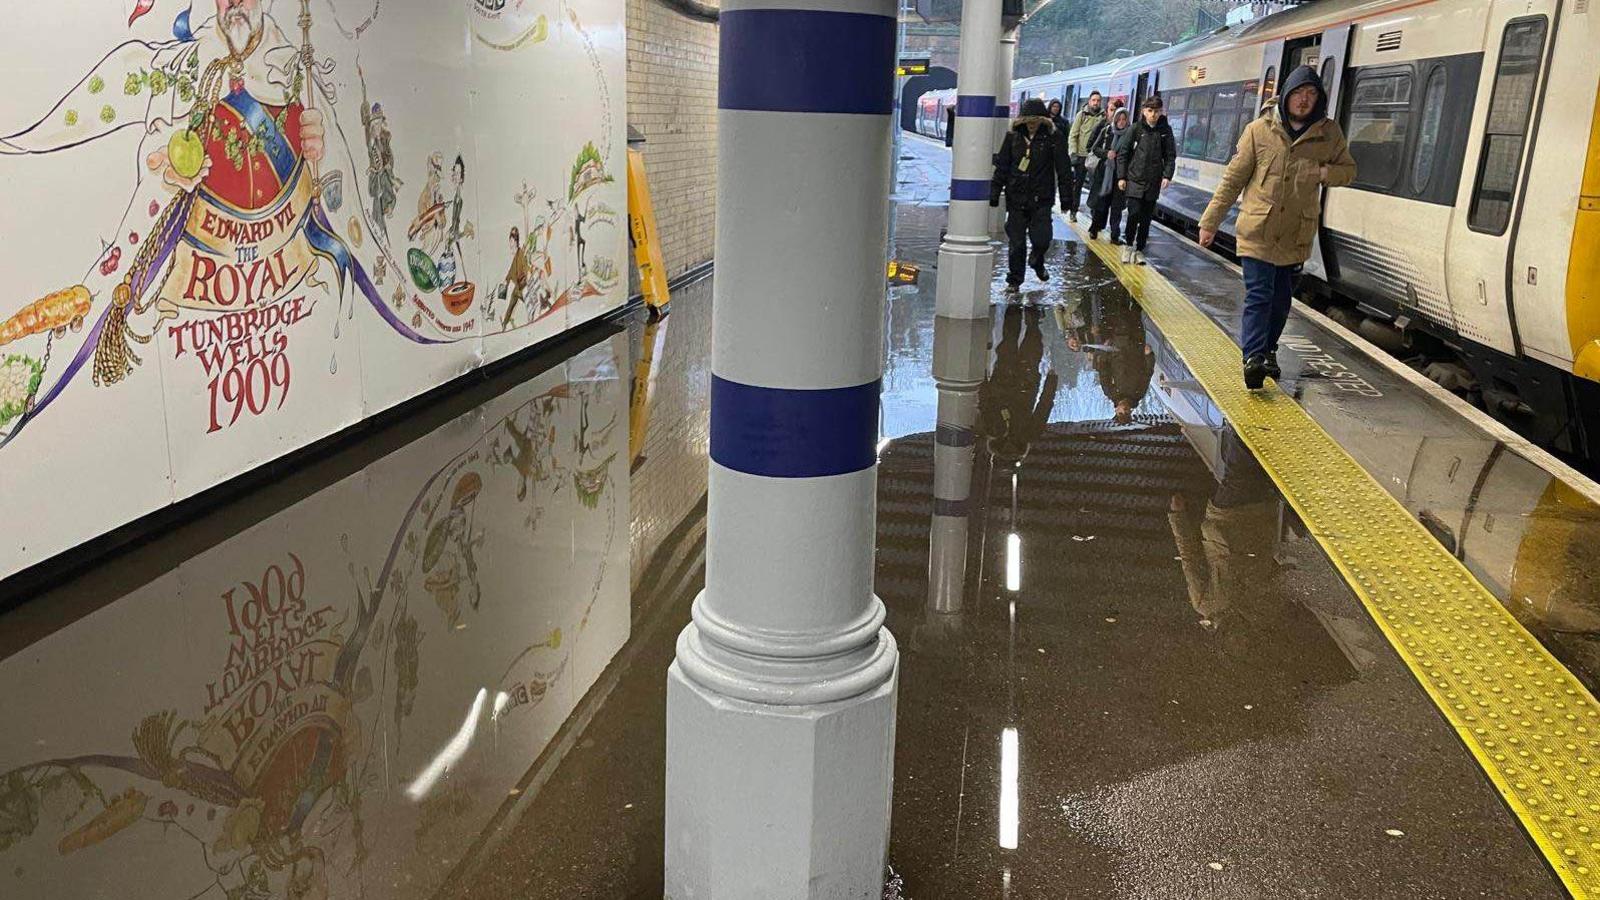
pixel 1268 291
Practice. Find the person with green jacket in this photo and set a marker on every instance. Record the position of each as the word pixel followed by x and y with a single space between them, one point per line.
pixel 1282 162
pixel 1083 126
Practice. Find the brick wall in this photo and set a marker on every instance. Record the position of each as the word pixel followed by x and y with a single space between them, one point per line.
pixel 672 101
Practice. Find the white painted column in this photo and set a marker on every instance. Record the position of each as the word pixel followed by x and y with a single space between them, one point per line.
pixel 960 362
pixel 781 701
pixel 966 259
pixel 1006 60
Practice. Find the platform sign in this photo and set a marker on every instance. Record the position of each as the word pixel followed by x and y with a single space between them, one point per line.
pixel 912 66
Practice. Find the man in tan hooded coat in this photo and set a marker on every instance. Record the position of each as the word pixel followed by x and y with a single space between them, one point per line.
pixel 1282 162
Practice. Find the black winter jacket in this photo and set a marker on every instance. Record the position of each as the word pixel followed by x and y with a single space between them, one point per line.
pixel 1029 171
pixel 1146 156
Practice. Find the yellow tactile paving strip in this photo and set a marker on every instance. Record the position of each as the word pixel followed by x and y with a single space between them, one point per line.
pixel 1532 726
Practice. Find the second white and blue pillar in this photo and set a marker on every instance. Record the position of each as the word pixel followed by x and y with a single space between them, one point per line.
pixel 781 700
pixel 966 259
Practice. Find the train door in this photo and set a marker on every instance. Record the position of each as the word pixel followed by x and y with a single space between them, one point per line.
pixel 1334 51
pixel 1271 67
pixel 1489 212
pixel 1142 90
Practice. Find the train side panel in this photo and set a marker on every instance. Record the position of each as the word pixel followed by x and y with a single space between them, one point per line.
pixel 1410 75
pixel 1547 307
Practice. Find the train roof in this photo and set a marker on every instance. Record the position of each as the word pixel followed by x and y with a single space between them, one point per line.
pixel 1294 22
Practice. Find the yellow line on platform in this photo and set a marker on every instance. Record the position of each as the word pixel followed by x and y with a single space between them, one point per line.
pixel 1533 727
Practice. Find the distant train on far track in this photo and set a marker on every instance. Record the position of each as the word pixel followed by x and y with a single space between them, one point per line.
pixel 1470 241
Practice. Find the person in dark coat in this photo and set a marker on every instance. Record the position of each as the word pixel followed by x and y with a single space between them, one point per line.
pixel 1146 160
pixel 1056 118
pixel 1032 163
pixel 1106 200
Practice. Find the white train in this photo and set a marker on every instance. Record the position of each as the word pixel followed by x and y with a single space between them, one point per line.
pixel 1471 237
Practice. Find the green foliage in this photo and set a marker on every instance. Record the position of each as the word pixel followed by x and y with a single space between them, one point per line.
pixel 1066 29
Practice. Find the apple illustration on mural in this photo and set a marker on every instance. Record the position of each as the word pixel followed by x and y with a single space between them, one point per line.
pixel 186 153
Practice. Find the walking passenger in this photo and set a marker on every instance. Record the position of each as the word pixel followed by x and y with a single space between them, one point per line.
pixel 1092 116
pixel 1281 162
pixel 1105 198
pixel 1056 118
pixel 1146 159
pixel 1031 163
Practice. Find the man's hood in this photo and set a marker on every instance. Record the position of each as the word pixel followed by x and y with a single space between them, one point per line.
pixel 1022 122
pixel 1297 79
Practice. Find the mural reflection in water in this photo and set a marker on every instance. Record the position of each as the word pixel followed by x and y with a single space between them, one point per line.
pixel 334 702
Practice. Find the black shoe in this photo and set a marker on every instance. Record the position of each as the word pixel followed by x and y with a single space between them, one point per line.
pixel 1039 271
pixel 1255 372
pixel 1094 235
pixel 1273 371
pixel 1013 288
pixel 1116 241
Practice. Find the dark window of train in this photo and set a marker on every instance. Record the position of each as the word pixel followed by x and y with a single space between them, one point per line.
pixel 1269 83
pixel 1506 131
pixel 1428 133
pixel 1330 68
pixel 1380 124
pixel 1177 101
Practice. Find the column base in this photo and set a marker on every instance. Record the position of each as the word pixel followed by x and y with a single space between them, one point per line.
pixel 777 802
pixel 966 274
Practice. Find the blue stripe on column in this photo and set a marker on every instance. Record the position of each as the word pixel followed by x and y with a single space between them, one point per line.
pixel 798 60
pixel 787 433
pixel 979 106
pixel 969 189
pixel 1002 112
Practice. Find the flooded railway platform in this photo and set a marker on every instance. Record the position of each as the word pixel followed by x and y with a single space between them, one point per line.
pixel 429 663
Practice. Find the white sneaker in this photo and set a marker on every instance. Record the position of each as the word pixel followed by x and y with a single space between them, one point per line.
pixel 1138 257
pixel 1127 255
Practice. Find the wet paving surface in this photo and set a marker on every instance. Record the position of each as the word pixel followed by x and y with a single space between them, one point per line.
pixel 432 663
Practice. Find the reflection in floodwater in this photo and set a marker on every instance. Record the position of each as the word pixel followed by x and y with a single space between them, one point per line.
pixel 1015 403
pixel 281 715
pixel 1109 327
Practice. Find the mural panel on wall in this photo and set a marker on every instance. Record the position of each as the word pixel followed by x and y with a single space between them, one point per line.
pixel 238 226
pixel 336 701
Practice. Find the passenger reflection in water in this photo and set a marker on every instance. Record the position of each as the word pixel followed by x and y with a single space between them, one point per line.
pixel 1226 542
pixel 1013 405
pixel 1109 326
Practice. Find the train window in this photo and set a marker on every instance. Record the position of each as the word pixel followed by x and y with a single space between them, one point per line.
pixel 1428 133
pixel 1269 83
pixel 1380 125
pixel 1330 68
pixel 1178 122
pixel 1196 136
pixel 1516 82
pixel 1177 101
pixel 1220 143
pixel 1200 98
